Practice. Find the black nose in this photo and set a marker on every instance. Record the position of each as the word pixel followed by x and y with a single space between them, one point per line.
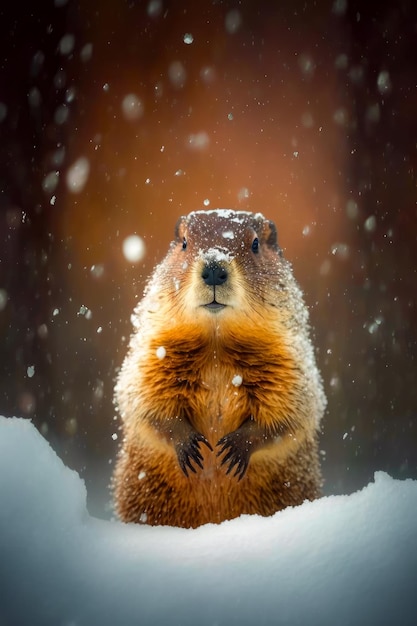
pixel 214 274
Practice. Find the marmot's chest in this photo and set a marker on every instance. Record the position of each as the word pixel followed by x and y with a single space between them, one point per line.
pixel 220 400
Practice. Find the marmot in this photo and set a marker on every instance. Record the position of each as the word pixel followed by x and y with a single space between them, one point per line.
pixel 219 395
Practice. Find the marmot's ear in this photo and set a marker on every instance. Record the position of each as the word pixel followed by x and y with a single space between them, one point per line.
pixel 271 235
pixel 179 228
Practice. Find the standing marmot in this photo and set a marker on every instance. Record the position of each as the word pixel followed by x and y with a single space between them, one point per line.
pixel 219 395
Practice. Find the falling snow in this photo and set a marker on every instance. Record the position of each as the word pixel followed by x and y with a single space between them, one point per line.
pixel 134 248
pixel 77 175
pixel 132 107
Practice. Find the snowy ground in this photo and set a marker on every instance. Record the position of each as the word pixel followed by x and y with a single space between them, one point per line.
pixel 337 561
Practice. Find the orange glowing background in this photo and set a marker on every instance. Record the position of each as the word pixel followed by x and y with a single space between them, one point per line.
pixel 228 120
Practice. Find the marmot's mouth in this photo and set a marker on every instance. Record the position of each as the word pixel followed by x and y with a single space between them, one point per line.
pixel 214 306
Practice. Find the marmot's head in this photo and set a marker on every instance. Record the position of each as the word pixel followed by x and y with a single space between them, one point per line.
pixel 223 260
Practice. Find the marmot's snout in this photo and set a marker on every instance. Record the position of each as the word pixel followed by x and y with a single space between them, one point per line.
pixel 215 279
pixel 214 274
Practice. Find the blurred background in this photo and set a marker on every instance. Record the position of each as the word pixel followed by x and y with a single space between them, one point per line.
pixel 118 117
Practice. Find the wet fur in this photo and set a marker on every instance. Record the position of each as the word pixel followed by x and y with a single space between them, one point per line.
pixel 196 447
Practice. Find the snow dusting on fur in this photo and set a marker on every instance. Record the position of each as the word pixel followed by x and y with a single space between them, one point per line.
pixel 234 216
pixel 161 352
pixel 237 380
pixel 221 255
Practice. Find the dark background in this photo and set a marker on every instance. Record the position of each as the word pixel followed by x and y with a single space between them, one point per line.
pixel 305 111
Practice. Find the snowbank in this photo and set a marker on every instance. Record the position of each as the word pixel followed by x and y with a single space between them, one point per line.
pixel 340 560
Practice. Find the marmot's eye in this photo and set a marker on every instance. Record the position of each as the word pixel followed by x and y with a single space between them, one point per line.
pixel 184 243
pixel 255 245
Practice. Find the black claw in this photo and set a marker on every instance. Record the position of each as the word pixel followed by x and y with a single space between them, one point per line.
pixel 228 457
pixel 197 458
pixel 188 462
pixel 201 438
pixel 224 447
pixel 241 469
pixel 237 454
pixel 229 469
pixel 183 462
pixel 190 453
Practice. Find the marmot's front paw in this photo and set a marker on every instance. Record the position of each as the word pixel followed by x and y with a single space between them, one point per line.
pixel 238 451
pixel 189 451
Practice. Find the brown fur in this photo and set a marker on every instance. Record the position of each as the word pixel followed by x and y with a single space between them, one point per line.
pixel 198 446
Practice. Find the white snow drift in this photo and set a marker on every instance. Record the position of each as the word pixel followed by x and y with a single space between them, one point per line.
pixel 340 560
